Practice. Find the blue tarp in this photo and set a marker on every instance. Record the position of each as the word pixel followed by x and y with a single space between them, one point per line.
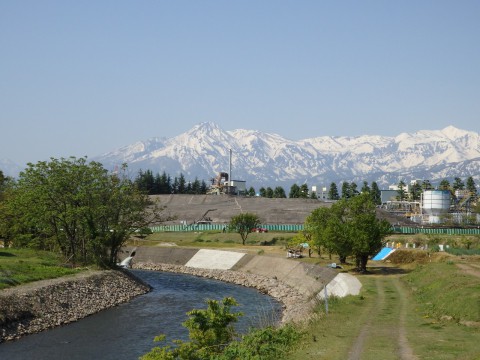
pixel 382 255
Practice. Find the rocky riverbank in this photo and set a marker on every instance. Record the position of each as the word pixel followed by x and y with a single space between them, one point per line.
pixel 35 307
pixel 296 307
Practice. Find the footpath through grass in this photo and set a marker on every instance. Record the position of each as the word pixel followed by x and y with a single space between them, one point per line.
pixel 20 266
pixel 420 315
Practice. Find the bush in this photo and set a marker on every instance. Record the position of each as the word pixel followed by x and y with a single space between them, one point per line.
pixel 267 344
pixel 213 337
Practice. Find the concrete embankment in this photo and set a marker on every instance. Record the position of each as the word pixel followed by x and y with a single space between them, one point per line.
pixel 296 284
pixel 35 307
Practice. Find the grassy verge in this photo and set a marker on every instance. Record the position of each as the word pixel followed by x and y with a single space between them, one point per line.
pixel 444 301
pixel 444 292
pixel 218 238
pixel 258 243
pixel 20 266
pixel 440 316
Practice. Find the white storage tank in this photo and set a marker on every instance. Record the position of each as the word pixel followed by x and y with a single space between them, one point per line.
pixel 436 202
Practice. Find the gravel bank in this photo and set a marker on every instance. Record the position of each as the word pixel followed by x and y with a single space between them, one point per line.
pixel 35 307
pixel 296 307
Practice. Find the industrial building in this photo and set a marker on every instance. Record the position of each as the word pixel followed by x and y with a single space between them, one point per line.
pixel 435 207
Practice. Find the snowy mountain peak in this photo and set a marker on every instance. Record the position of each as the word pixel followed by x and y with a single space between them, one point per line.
pixel 265 159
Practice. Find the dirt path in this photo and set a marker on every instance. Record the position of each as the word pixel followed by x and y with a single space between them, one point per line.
pixel 385 324
pixel 357 349
pixel 404 350
pixel 470 269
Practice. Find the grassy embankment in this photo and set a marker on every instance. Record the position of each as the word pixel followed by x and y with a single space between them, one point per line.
pixel 436 304
pixel 20 266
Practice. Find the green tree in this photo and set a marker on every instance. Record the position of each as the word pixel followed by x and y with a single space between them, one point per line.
pixel 279 193
pixel 165 184
pixel 203 187
pixel 294 192
pixel 415 191
pixel 269 192
pixel 243 224
pixel 263 192
pixel 303 191
pixel 182 184
pixel 376 194
pixel 345 190
pixel 315 226
pixel 471 187
pixel 458 184
pixel 426 185
pixel 3 180
pixel 444 185
pixel 7 217
pixel 366 232
pixel 349 190
pixel 251 191
pixel 353 189
pixel 349 227
pixel 210 332
pixel 78 209
pixel 402 192
pixel 365 188
pixel 333 192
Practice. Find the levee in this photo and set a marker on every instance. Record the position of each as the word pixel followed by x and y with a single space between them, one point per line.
pixel 308 279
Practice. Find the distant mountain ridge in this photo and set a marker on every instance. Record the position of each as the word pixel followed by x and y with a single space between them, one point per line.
pixel 264 159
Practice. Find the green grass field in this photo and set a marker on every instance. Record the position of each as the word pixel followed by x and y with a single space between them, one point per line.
pixel 20 266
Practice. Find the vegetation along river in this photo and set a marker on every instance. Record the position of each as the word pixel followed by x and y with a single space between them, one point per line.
pixel 127 331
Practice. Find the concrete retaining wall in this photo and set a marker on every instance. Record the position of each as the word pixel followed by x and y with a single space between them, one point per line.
pixel 296 284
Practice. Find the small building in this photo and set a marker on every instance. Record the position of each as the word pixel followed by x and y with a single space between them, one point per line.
pixel 238 187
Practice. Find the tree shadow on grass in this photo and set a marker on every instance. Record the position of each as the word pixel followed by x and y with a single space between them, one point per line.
pixel 6 254
pixel 384 270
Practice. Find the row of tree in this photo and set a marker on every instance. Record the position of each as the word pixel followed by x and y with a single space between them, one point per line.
pixel 163 184
pixel 414 191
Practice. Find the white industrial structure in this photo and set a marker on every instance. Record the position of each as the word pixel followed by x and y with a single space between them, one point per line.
pixel 436 203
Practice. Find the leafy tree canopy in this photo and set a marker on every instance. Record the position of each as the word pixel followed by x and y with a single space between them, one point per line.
pixel 349 227
pixel 76 208
pixel 243 224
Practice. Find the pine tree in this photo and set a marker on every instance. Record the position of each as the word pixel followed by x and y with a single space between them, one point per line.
pixel 333 192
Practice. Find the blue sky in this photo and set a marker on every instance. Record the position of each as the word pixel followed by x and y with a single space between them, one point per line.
pixel 86 77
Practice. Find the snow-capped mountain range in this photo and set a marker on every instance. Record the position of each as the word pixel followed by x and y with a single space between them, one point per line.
pixel 264 159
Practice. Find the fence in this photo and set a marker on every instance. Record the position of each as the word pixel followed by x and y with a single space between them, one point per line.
pixel 220 227
pixel 299 227
pixel 436 231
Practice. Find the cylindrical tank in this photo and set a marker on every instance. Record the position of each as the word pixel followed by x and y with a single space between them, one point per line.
pixel 436 202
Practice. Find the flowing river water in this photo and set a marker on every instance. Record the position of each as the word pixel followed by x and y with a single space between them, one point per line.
pixel 127 331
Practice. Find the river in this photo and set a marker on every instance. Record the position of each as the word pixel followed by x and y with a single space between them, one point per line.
pixel 127 331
